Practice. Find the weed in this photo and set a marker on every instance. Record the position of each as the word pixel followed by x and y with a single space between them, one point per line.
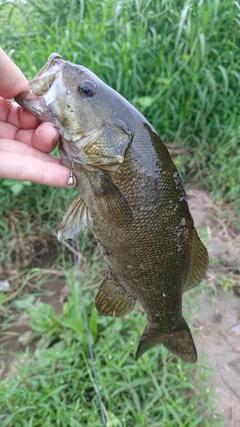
pixel 176 61
pixel 54 386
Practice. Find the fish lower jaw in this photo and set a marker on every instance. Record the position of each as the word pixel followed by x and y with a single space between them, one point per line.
pixel 34 105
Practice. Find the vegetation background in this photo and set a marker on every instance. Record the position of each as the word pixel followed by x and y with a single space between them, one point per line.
pixel 177 62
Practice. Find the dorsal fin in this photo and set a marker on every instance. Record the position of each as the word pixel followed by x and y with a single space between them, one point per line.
pixel 198 263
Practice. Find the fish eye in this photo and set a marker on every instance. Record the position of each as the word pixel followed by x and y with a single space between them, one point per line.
pixel 87 88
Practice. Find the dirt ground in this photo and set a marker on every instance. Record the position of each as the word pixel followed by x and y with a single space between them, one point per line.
pixel 217 320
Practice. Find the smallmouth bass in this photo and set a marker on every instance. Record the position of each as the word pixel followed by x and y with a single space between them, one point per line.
pixel 131 197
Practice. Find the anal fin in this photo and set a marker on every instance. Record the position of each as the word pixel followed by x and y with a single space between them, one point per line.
pixel 113 300
pixel 178 341
pixel 75 220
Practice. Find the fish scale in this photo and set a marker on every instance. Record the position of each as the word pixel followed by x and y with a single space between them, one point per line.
pixel 130 195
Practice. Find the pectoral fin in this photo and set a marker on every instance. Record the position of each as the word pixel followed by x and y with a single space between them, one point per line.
pixel 75 220
pixel 113 300
pixel 111 200
pixel 178 341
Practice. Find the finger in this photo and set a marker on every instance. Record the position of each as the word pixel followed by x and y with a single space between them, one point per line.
pixel 15 147
pixel 27 168
pixel 44 138
pixel 12 80
pixel 11 112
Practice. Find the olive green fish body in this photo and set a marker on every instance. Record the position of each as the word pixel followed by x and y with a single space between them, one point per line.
pixel 131 196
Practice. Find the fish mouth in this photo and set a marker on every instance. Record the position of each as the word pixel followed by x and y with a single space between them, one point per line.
pixel 44 79
pixel 39 97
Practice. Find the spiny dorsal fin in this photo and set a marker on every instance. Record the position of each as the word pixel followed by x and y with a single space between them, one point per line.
pixel 198 263
pixel 75 220
pixel 178 341
pixel 113 300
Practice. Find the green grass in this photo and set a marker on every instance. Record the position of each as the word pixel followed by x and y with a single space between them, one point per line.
pixel 55 386
pixel 178 62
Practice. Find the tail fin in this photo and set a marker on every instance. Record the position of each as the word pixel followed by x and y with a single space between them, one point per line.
pixel 178 341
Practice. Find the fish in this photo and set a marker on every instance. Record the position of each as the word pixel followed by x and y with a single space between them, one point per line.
pixel 130 195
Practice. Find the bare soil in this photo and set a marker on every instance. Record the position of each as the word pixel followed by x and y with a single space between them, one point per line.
pixel 217 321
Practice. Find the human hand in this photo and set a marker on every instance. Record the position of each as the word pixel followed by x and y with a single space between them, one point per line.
pixel 25 143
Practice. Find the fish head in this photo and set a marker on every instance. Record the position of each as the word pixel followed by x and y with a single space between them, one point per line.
pixel 80 104
pixel 67 94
